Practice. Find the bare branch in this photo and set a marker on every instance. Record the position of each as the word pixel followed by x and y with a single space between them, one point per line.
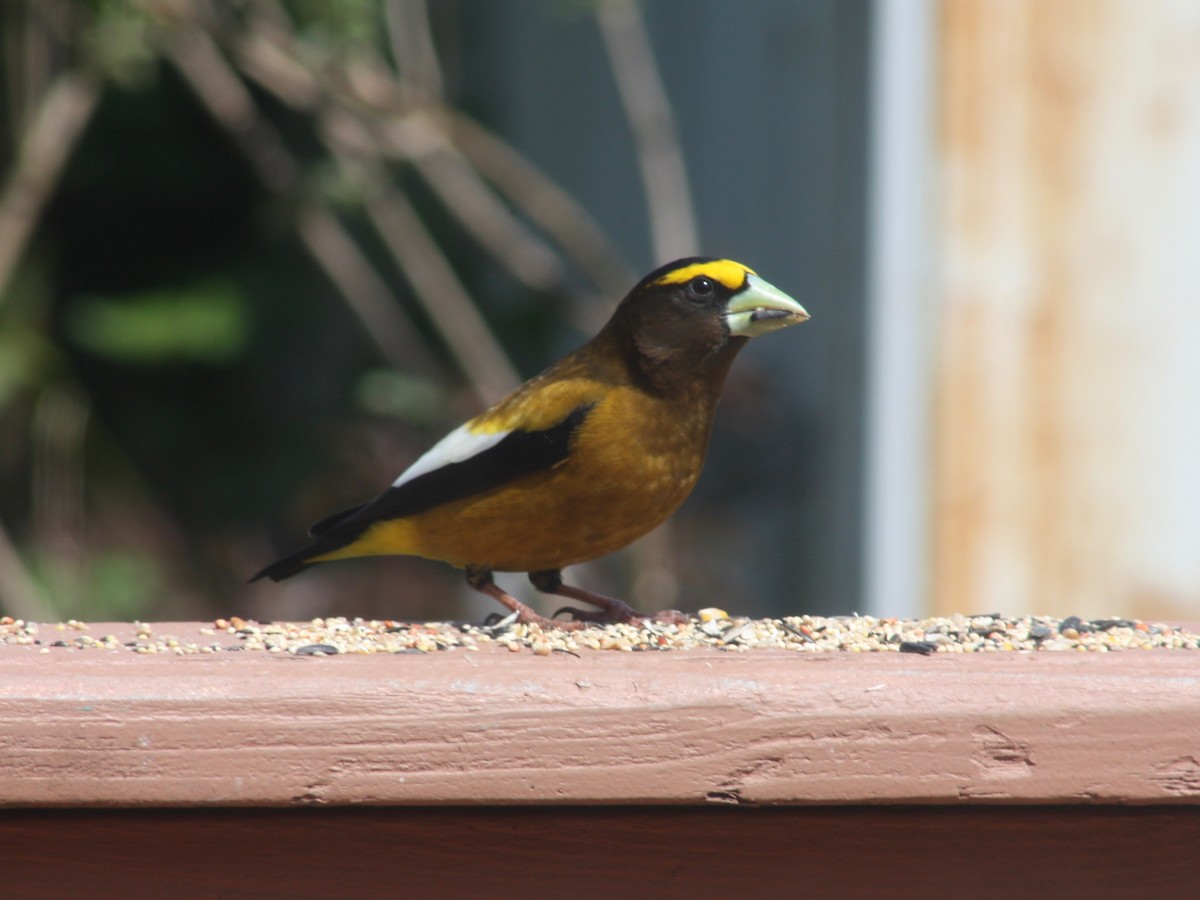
pixel 206 71
pixel 414 250
pixel 230 103
pixel 664 176
pixel 364 291
pixel 449 305
pixel 65 110
pixel 413 50
pixel 545 203
pixel 268 58
pixel 421 141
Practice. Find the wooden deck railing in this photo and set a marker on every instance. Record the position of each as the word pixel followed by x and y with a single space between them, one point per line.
pixel 827 758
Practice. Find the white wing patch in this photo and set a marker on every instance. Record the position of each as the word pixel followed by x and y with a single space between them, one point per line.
pixel 459 445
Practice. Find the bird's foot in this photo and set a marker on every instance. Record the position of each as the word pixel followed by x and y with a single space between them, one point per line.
pixel 529 617
pixel 481 580
pixel 495 625
pixel 611 610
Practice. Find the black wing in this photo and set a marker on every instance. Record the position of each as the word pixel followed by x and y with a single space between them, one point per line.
pixel 519 453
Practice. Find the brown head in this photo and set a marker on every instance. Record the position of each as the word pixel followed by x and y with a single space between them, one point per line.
pixel 686 321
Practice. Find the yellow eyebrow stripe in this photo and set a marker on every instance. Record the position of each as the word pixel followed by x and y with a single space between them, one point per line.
pixel 729 273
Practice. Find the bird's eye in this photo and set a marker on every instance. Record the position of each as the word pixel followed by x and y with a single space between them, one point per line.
pixel 702 286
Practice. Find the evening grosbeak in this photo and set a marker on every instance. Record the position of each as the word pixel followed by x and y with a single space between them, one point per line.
pixel 581 460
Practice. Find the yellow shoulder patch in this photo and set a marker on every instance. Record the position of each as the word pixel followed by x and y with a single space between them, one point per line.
pixel 540 404
pixel 729 273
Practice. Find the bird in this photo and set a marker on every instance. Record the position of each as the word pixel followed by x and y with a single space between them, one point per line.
pixel 582 459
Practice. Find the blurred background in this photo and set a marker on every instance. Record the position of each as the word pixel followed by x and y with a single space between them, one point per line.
pixel 255 257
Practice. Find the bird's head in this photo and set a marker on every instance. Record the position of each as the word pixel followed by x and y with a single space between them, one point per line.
pixel 693 315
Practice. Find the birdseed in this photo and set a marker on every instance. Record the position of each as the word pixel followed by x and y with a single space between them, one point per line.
pixel 802 634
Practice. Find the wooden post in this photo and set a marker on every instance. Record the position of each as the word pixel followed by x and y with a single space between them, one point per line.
pixel 1068 391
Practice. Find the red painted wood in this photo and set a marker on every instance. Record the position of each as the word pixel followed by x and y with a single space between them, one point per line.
pixel 113 728
pixel 528 852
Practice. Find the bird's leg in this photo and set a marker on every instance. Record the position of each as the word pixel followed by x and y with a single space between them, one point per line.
pixel 549 581
pixel 481 580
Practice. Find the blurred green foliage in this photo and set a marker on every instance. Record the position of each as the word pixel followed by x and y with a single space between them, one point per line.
pixel 384 392
pixel 205 323
pixel 116 40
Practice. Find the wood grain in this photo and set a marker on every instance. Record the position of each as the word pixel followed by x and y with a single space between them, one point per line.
pixel 113 728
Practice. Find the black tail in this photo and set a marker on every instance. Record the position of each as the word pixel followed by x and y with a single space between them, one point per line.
pixel 328 538
pixel 289 565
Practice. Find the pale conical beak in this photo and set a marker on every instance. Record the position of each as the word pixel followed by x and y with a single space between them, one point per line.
pixel 760 307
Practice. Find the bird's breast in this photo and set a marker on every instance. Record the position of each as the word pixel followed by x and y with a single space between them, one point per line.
pixel 640 445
